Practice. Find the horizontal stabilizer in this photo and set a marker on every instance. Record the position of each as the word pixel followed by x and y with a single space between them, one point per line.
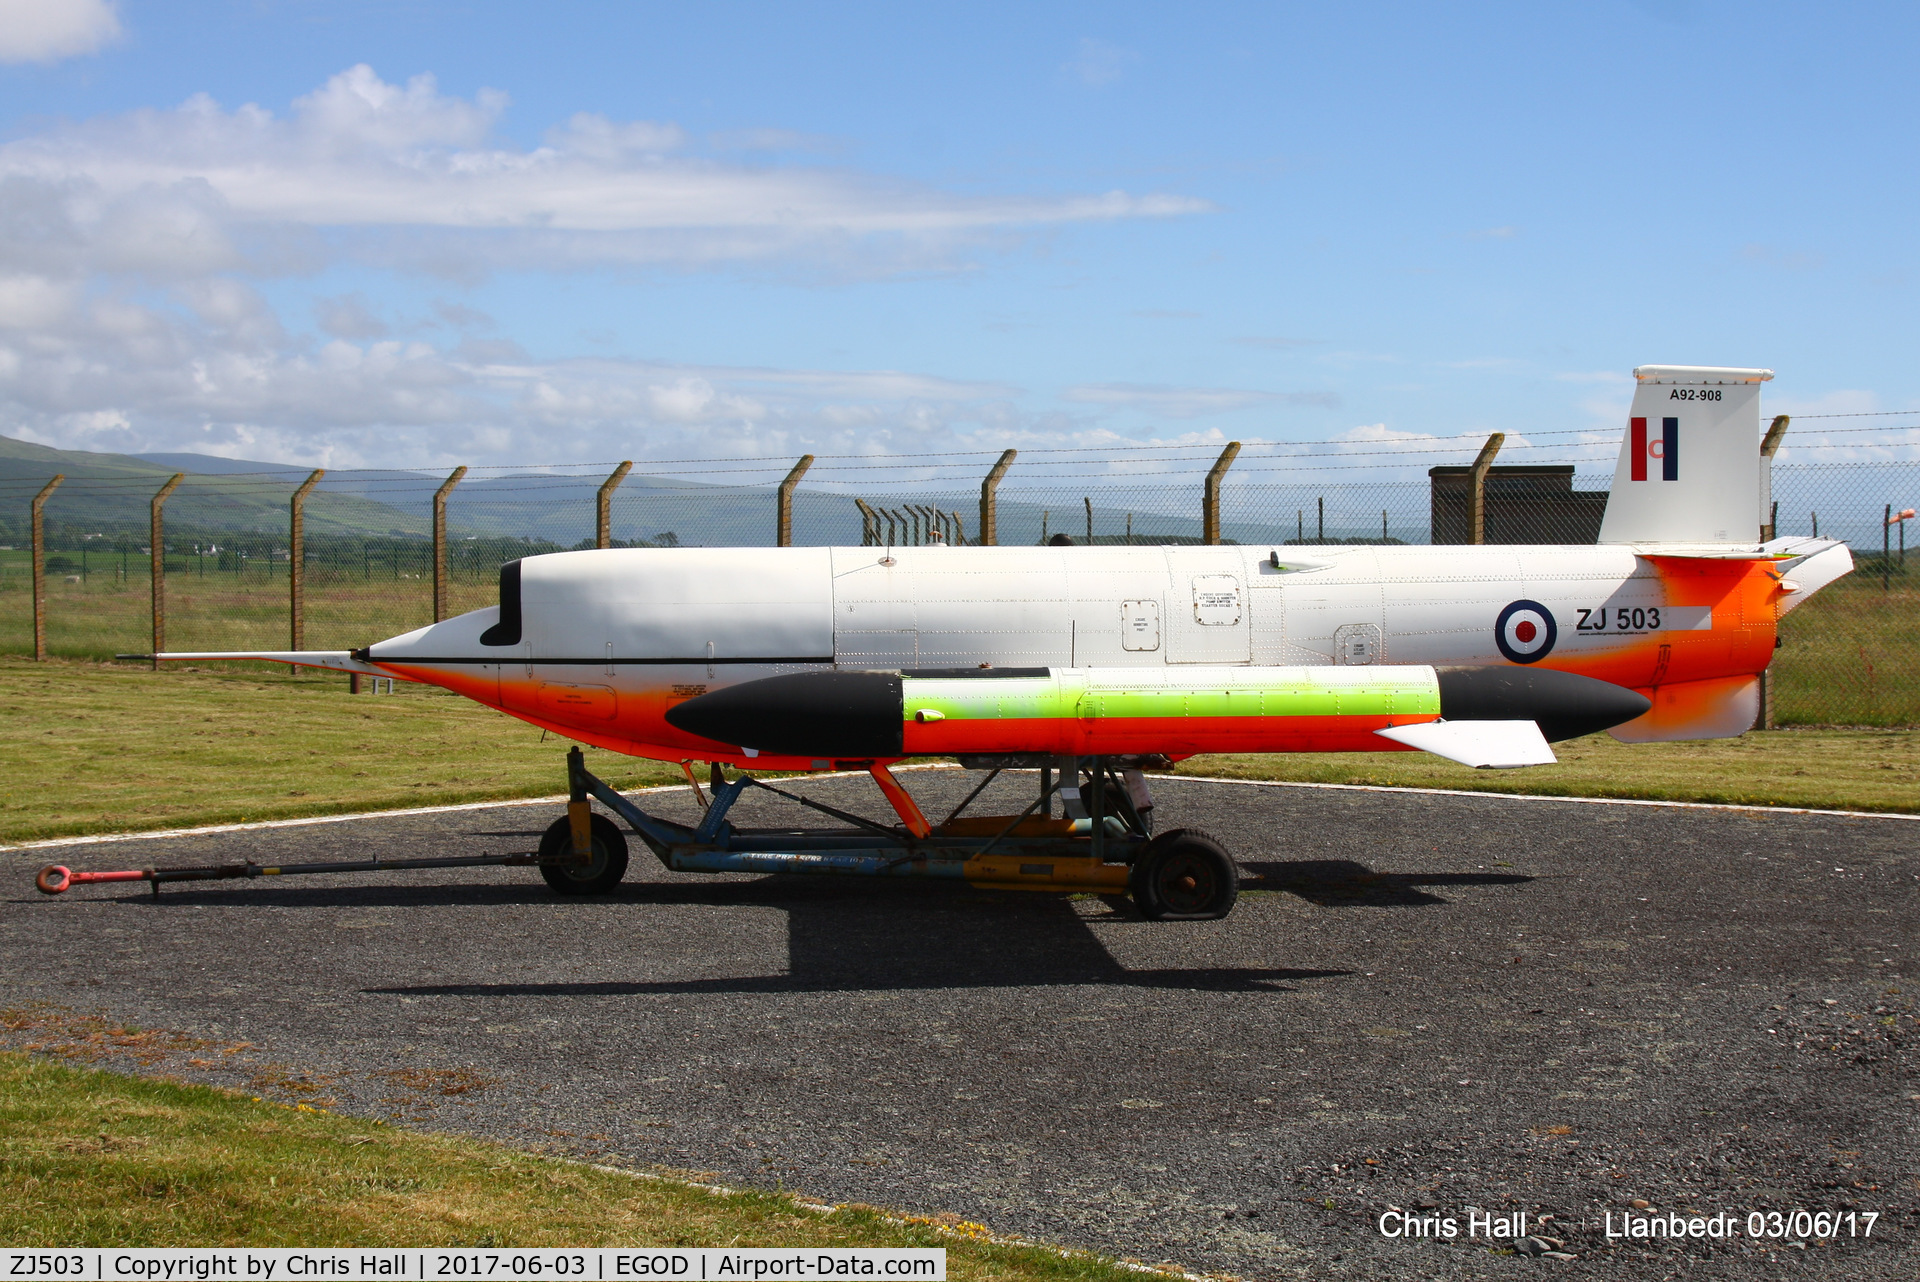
pixel 1708 551
pixel 1484 745
pixel 1814 564
pixel 332 660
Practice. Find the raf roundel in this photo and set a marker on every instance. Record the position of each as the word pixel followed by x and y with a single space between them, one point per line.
pixel 1525 632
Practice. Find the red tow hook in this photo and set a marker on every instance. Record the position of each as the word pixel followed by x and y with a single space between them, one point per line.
pixel 55 878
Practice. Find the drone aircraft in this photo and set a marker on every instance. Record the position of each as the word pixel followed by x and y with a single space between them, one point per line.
pixel 1094 663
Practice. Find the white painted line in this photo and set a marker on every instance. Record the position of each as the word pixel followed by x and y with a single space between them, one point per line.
pixel 559 799
pixel 1530 796
pixel 211 830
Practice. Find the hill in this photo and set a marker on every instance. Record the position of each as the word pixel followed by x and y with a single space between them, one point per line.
pixel 110 493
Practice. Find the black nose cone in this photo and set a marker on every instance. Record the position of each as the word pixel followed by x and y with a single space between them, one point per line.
pixel 1564 705
pixel 801 714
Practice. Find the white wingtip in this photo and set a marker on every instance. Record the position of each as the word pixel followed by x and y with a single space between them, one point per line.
pixel 1484 745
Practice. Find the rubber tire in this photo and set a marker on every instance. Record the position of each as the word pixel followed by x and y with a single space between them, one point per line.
pixel 1184 875
pixel 601 876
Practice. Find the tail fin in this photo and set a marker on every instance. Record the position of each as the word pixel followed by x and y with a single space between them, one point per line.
pixel 1689 467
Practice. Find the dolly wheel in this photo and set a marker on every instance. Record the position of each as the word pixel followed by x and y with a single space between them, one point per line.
pixel 1184 875
pixel 598 877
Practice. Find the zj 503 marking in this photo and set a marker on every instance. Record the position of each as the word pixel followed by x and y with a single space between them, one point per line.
pixel 1622 619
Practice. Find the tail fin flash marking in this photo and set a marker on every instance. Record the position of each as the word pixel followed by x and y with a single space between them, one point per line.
pixel 1666 449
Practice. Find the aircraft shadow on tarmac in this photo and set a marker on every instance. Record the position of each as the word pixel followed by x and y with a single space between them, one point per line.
pixel 1342 883
pixel 885 937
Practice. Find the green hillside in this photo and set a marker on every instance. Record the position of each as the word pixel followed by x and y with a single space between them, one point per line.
pixel 109 494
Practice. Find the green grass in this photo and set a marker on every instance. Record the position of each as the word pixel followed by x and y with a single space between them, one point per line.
pixel 1836 769
pixel 95 1158
pixel 1851 655
pixel 94 747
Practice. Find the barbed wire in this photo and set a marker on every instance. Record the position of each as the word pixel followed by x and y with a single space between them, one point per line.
pixel 542 476
pixel 1856 414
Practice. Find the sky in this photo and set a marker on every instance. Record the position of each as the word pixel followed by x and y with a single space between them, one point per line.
pixel 419 232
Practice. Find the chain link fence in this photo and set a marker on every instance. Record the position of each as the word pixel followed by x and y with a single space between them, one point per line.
pixel 369 558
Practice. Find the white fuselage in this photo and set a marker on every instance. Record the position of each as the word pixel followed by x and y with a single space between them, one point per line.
pixel 615 635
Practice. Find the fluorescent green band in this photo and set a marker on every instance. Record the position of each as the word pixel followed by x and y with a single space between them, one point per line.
pixel 1399 690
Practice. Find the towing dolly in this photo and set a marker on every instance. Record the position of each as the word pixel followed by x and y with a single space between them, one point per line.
pixel 1104 842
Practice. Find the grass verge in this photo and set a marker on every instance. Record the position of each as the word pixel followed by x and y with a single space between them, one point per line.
pixel 102 747
pixel 98 1158
pixel 1829 769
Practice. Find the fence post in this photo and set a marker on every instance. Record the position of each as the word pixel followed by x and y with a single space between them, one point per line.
pixel 1769 530
pixel 1088 500
pixel 1775 431
pixel 783 522
pixel 296 563
pixel 440 542
pixel 869 524
pixel 960 531
pixel 40 568
pixel 990 500
pixel 1477 488
pixel 1210 510
pixel 158 584
pixel 603 506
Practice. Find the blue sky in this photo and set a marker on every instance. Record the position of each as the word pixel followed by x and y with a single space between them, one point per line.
pixel 419 233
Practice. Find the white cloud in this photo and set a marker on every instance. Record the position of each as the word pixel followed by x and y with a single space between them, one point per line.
pixel 133 248
pixel 49 30
pixel 1189 402
pixel 349 316
pixel 405 174
pixel 209 368
pixel 34 302
pixel 1373 433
